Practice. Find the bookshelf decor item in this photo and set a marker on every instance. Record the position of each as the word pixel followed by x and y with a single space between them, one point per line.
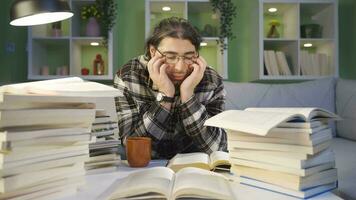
pixel 56 29
pixel 90 14
pixel 273 32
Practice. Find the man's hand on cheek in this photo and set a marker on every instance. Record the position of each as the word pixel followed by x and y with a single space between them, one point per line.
pixel 157 70
pixel 188 85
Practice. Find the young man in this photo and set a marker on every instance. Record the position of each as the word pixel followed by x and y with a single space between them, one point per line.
pixel 170 92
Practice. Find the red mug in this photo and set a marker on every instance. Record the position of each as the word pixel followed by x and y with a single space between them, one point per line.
pixel 138 151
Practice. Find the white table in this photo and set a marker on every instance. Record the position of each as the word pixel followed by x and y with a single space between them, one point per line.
pixel 97 183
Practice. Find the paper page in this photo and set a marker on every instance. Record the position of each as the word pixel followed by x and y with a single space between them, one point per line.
pixel 157 180
pixel 194 182
pixel 81 88
pixel 19 88
pixel 308 112
pixel 253 122
pixel 187 158
pixel 219 158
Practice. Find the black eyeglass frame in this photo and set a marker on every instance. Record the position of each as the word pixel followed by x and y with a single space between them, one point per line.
pixel 193 59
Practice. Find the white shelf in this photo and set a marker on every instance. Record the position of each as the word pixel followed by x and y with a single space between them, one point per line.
pixel 199 13
pixel 318 61
pixel 71 50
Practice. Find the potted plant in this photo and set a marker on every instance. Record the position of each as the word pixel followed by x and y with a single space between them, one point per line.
pixel 91 13
pixel 103 10
pixel 227 11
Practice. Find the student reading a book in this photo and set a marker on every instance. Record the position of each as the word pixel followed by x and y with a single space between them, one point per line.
pixel 169 93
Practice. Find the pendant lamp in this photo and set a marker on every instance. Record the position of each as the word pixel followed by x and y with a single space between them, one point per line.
pixel 36 12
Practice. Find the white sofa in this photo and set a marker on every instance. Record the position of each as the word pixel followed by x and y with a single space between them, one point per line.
pixel 338 96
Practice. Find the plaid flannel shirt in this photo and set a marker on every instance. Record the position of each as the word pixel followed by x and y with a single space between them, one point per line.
pixel 179 130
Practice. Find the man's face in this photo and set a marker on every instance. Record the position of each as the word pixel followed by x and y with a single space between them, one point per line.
pixel 179 54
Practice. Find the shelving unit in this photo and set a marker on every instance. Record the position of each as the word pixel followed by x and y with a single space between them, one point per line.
pixel 56 56
pixel 199 13
pixel 298 23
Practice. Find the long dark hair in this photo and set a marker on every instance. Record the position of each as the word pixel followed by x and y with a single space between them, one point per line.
pixel 176 28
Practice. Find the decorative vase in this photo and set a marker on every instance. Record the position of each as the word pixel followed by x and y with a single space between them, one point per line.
pixel 273 32
pixel 92 28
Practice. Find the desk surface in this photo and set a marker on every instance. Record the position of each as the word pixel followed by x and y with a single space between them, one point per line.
pixel 97 183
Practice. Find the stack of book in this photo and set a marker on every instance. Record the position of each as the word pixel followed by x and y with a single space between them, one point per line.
pixel 104 151
pixel 45 128
pixel 286 150
pixel 315 64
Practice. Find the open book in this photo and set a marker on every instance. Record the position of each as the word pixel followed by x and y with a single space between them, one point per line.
pixel 163 183
pixel 262 121
pixel 217 160
pixel 72 86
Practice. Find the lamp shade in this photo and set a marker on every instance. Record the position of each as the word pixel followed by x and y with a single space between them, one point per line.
pixel 36 12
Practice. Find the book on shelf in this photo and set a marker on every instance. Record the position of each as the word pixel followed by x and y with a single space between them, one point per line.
pixel 218 160
pixel 267 63
pixel 163 183
pixel 273 62
pixel 282 63
pixel 290 181
pixel 302 194
pixel 314 64
pixel 261 121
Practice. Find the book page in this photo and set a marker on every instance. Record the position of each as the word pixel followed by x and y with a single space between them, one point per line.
pixel 308 112
pixel 253 122
pixel 63 87
pixel 197 159
pixel 152 182
pixel 68 89
pixel 219 158
pixel 20 88
pixel 194 182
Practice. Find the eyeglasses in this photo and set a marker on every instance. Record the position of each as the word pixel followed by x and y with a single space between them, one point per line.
pixel 172 58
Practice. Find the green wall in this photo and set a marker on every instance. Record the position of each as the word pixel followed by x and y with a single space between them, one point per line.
pixel 129 38
pixel 13 67
pixel 347 39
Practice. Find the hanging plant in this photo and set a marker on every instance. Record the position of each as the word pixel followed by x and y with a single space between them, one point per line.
pixel 227 12
pixel 108 11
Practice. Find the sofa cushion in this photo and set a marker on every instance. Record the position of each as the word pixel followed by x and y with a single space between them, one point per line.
pixel 346 108
pixel 346 164
pixel 317 93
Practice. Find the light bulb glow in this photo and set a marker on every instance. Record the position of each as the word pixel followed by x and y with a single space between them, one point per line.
pixel 272 10
pixel 203 44
pixel 308 45
pixel 166 8
pixel 94 43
